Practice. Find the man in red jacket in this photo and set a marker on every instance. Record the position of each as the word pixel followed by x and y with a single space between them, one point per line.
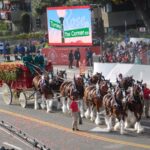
pixel 75 114
pixel 146 92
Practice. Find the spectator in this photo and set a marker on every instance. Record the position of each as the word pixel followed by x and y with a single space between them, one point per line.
pixel 32 48
pixel 21 50
pixel 89 57
pixel 77 57
pixel 70 58
pixel 6 52
pixel 16 53
pixel 137 60
pixel 146 92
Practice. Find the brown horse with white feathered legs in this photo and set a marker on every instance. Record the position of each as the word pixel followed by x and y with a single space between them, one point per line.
pixel 135 107
pixel 71 87
pixel 41 85
pixel 93 97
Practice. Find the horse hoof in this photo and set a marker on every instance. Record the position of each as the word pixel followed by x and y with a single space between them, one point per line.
pixel 98 123
pixel 140 131
pixel 123 132
pixel 109 129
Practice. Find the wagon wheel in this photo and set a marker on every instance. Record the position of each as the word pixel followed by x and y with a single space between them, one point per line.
pixel 23 99
pixel 6 94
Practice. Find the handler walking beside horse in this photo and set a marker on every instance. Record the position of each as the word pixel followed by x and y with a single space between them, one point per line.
pixel 75 114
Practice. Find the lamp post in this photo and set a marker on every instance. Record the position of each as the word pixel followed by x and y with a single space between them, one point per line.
pixel 62 29
pixel 61 14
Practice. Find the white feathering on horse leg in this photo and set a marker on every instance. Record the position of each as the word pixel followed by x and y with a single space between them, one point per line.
pixel 87 113
pixel 68 104
pixel 47 106
pixel 126 124
pixel 110 121
pixel 36 105
pixel 107 123
pixel 140 129
pixel 82 113
pixel 117 126
pixel 64 107
pixel 98 120
pixel 136 126
pixel 81 108
pixel 50 104
pixel 92 115
pixel 43 106
pixel 122 127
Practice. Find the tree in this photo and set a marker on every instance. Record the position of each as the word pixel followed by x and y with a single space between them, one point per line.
pixel 40 9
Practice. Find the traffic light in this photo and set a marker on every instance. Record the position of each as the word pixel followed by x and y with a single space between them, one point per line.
pixel 38 23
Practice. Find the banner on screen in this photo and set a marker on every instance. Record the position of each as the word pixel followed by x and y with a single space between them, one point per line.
pixel 69 25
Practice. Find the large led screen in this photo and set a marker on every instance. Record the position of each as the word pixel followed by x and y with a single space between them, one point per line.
pixel 69 25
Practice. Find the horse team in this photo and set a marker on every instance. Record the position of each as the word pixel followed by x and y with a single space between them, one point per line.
pixel 121 104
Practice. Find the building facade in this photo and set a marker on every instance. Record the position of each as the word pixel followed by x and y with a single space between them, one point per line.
pixel 13 12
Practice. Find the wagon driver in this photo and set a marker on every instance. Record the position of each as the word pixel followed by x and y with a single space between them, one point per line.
pixel 28 62
pixel 39 60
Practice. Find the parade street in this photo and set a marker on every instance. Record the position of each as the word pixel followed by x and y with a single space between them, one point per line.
pixel 54 131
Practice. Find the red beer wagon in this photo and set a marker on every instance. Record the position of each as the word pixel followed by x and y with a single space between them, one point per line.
pixel 16 83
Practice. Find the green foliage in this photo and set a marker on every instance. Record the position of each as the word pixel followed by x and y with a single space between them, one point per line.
pixel 4 33
pixel 40 9
pixel 35 35
pixel 3 25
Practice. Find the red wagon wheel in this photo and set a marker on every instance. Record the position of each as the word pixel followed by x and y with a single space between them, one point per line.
pixel 6 94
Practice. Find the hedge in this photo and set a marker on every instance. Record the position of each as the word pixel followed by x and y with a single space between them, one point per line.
pixel 5 35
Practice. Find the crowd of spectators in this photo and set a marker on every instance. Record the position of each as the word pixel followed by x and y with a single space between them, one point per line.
pixel 130 53
pixel 20 48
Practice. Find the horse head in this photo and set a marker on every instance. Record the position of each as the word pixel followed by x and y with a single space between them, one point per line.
pixel 119 93
pixel 62 74
pixel 78 83
pixel 137 89
pixel 127 82
pixel 95 78
pixel 103 86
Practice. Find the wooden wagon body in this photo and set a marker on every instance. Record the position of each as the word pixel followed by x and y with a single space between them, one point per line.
pixel 16 83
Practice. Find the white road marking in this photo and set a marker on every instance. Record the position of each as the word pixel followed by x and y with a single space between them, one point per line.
pixel 12 146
